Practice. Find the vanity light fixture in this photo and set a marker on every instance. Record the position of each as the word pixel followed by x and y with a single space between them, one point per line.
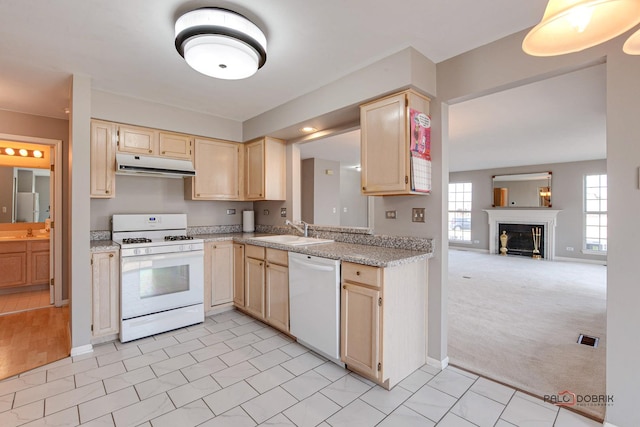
pixel 220 43
pixel 22 152
pixel 574 25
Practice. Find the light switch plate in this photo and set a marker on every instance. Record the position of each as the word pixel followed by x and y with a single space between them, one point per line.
pixel 231 211
pixel 417 214
pixel 265 212
pixel 283 212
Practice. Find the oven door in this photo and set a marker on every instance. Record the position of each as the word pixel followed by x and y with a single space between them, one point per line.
pixel 155 283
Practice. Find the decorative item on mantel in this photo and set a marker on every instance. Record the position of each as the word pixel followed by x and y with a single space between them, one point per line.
pixel 536 231
pixel 503 243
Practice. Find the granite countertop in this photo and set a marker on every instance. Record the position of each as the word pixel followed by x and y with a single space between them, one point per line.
pixel 377 256
pixel 361 254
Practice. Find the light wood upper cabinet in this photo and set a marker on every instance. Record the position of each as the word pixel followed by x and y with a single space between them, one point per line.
pixel 238 274
pixel 217 171
pixel 103 159
pixel 175 145
pixel 265 169
pixel 137 140
pixel 218 274
pixel 385 143
pixel 105 287
pixel 152 142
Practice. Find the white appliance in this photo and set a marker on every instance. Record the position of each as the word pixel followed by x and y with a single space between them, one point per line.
pixel 153 166
pixel 27 207
pixel 314 303
pixel 162 274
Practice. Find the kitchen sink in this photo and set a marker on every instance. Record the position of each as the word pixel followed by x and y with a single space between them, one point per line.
pixel 288 239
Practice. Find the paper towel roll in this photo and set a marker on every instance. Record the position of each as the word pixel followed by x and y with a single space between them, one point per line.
pixel 248 225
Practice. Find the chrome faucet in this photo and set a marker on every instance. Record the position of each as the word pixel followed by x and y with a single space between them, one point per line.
pixel 305 231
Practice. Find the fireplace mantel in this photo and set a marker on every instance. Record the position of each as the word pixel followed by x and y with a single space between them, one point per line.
pixel 546 217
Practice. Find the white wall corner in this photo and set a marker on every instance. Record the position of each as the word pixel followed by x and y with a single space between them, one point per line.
pixel 440 364
pixel 83 349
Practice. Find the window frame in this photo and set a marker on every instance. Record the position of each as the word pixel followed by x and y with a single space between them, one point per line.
pixel 600 212
pixel 460 202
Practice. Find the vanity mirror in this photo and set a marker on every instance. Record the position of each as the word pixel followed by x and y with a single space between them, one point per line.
pixel 24 194
pixel 527 190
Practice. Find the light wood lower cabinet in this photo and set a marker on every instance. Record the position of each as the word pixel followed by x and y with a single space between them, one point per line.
pixel 238 274
pixel 105 293
pixel 383 320
pixel 267 285
pixel 218 273
pixel 40 256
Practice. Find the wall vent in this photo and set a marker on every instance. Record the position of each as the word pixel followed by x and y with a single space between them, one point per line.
pixel 588 340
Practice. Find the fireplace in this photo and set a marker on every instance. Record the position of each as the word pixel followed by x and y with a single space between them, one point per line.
pixel 528 218
pixel 520 238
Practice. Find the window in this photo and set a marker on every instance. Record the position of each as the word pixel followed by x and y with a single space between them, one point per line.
pixel 595 213
pixel 460 211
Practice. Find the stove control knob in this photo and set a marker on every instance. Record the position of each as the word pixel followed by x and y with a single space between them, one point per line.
pixel 136 251
pixel 181 248
pixel 147 251
pixel 189 247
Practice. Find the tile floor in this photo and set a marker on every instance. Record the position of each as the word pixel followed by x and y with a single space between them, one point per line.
pixel 21 301
pixel 234 371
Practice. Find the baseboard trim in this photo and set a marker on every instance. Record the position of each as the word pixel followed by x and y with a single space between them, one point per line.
pixel 582 260
pixel 462 248
pixel 440 364
pixel 83 349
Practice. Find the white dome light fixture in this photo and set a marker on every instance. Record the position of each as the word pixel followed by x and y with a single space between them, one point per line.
pixel 220 43
pixel 574 25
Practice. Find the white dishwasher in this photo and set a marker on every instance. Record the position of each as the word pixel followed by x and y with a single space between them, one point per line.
pixel 314 303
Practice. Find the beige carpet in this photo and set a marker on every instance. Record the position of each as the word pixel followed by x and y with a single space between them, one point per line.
pixel 517 320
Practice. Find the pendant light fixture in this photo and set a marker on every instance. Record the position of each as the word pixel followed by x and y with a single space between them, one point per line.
pixel 574 25
pixel 220 43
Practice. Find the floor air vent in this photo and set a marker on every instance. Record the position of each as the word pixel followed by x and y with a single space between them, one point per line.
pixel 587 340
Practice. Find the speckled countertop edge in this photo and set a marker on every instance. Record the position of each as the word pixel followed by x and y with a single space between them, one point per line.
pixel 378 255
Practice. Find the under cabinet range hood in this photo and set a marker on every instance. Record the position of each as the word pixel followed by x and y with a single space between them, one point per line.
pixel 133 164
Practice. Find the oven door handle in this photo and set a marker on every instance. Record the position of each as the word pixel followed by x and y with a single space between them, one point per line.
pixel 154 257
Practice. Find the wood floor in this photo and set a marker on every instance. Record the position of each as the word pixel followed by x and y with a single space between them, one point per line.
pixel 21 301
pixel 33 338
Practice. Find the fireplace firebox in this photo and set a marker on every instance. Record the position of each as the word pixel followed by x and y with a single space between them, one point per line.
pixel 520 239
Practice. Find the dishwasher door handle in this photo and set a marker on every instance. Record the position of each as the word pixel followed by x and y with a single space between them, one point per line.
pixel 312 265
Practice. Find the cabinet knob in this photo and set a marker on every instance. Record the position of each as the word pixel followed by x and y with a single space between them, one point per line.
pixel 215 247
pixel 364 188
pixel 344 286
pixel 357 273
pixel 164 152
pixel 260 264
pixel 198 195
pixel 110 255
pixel 107 192
pixel 151 151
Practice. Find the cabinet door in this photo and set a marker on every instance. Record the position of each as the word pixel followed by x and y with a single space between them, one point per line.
pixel 105 286
pixel 103 160
pixel 40 268
pixel 254 286
pixel 221 273
pixel 217 171
pixel 384 145
pixel 238 274
pixel 277 296
pixel 177 146
pixel 13 269
pixel 254 170
pixel 360 329
pixel 137 140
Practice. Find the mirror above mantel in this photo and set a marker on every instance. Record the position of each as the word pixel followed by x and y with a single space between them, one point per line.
pixel 527 190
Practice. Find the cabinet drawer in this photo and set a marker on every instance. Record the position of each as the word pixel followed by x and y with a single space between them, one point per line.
pixel 252 251
pixel 12 247
pixel 40 246
pixel 278 256
pixel 364 274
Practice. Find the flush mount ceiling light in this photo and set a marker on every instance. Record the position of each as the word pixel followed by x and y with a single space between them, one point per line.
pixel 574 25
pixel 632 45
pixel 308 129
pixel 220 43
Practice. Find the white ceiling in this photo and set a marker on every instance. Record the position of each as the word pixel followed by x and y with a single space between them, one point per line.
pixel 127 47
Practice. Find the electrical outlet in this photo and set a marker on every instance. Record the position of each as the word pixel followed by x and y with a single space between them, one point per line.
pixel 231 211
pixel 476 242
pixel 283 212
pixel 569 248
pixel 390 214
pixel 265 212
pixel 335 210
pixel 344 209
pixel 417 214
